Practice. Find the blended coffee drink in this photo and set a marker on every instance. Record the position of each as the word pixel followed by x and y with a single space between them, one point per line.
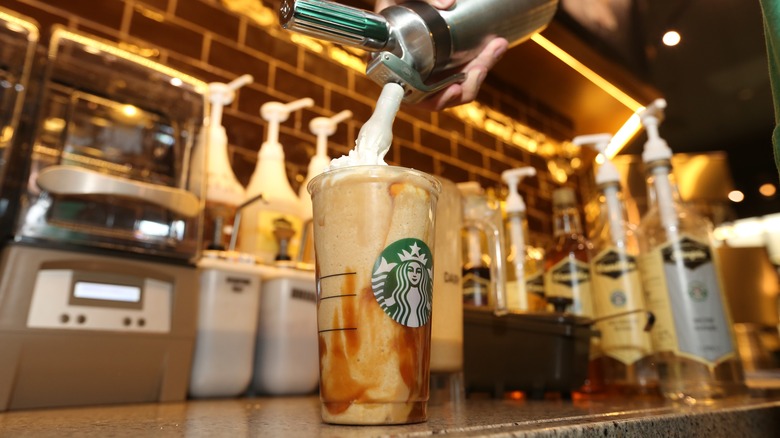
pixel 373 235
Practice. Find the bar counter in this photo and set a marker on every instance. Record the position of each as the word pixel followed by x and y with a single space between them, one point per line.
pixel 299 417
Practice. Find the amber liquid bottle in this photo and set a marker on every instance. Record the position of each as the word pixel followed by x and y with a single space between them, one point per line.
pixel 567 277
pixel 626 347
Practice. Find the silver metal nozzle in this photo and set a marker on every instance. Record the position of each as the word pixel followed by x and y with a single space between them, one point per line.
pixel 336 23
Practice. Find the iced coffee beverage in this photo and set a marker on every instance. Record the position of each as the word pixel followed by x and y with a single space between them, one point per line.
pixel 373 240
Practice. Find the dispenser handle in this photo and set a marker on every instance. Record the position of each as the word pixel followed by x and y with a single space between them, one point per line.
pixel 648 324
pixel 340 117
pixel 240 81
pixel 336 23
pixel 298 104
pixel 72 180
pixel 237 219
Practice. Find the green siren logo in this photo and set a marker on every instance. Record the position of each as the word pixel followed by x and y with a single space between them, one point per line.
pixel 698 291
pixel 402 282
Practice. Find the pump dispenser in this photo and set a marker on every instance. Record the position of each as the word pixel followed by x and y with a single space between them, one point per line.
pixel 223 191
pixel 281 204
pixel 616 286
pixel 322 127
pixel 522 265
pixel 693 336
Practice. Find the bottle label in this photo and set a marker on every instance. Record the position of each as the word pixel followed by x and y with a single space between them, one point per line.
pixel 617 288
pixel 534 283
pixel 682 289
pixel 570 278
pixel 402 282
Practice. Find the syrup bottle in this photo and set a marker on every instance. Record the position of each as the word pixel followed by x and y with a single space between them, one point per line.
pixel 567 279
pixel 693 335
pixel 626 348
pixel 525 273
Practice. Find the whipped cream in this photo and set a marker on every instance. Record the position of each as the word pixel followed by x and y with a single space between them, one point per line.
pixel 376 134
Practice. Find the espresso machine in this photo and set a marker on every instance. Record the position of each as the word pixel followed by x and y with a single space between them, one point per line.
pixel 98 287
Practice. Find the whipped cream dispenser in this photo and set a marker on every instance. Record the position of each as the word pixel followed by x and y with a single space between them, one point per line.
pixel 693 336
pixel 413 42
pixel 517 295
pixel 616 285
pixel 270 226
pixel 223 191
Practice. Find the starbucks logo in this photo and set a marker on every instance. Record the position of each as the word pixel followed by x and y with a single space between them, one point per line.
pixel 402 284
pixel 697 291
pixel 618 298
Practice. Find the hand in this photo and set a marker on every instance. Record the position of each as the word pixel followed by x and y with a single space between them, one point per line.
pixel 476 69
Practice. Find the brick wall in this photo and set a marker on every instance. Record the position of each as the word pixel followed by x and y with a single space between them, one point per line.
pixel 219 40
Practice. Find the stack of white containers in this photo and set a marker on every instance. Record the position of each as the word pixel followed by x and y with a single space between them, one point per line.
pixel 258 315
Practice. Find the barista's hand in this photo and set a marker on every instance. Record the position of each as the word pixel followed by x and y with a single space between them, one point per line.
pixel 476 70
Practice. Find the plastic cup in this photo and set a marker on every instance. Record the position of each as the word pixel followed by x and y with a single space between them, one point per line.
pixel 373 241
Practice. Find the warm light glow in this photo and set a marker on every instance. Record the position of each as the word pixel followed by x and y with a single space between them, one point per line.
pixel 632 125
pixel 129 110
pixel 53 124
pixel 176 82
pixel 16 24
pixel 767 190
pixel 736 196
pixel 671 38
pixel 92 44
pixel 624 134
pixel 311 44
pixel 589 74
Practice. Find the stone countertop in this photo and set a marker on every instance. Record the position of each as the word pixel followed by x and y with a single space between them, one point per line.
pixel 299 417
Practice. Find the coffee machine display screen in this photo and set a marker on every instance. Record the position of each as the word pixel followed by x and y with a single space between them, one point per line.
pixel 106 294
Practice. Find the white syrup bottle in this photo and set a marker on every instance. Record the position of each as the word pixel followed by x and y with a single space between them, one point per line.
pixel 280 207
pixel 524 267
pixel 616 286
pixel 693 334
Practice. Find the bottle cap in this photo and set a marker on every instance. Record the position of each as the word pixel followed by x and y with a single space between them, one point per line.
pixel 607 172
pixel 564 197
pixel 512 177
pixel 656 147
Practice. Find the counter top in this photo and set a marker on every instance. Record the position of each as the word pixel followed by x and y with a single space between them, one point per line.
pixel 299 417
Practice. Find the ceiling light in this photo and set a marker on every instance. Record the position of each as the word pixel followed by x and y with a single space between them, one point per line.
pixel 671 38
pixel 767 190
pixel 736 196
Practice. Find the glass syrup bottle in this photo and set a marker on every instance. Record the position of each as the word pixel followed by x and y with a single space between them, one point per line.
pixel 627 354
pixel 567 279
pixel 484 273
pixel 525 265
pixel 693 334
